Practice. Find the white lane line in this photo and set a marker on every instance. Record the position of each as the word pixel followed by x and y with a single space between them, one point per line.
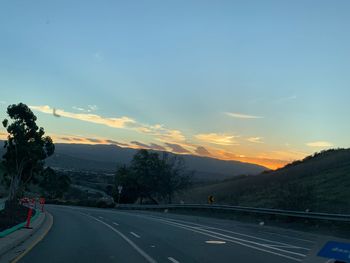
pixel 114 223
pixel 237 233
pixel 173 260
pixel 100 217
pixel 132 244
pixel 134 234
pixel 233 240
pixel 219 242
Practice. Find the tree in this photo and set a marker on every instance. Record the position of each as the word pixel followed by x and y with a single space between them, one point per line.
pixel 26 149
pixel 54 185
pixel 152 177
pixel 131 189
pixel 146 167
pixel 174 177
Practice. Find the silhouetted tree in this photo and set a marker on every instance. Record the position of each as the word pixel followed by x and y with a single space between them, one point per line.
pixel 126 178
pixel 173 177
pixel 152 177
pixel 26 149
pixel 54 185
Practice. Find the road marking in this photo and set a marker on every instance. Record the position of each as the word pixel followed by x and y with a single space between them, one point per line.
pixel 100 217
pixel 236 233
pixel 134 234
pixel 232 240
pixel 173 260
pixel 114 223
pixel 215 242
pixel 231 237
pixel 153 246
pixel 138 249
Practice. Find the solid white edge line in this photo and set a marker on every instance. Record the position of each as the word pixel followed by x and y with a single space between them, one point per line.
pixel 173 260
pixel 132 244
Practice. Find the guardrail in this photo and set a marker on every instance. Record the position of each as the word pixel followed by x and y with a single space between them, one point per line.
pixel 266 211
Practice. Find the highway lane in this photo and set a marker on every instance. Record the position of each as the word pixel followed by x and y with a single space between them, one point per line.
pixel 106 235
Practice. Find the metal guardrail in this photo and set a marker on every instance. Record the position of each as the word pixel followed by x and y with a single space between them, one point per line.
pixel 266 211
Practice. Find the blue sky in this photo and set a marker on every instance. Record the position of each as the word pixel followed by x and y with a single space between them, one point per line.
pixel 260 81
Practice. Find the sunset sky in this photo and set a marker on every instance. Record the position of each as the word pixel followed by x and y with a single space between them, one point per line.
pixel 266 82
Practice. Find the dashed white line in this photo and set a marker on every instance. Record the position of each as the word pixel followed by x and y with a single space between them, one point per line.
pixel 138 249
pixel 135 235
pixel 114 223
pixel 100 217
pixel 173 260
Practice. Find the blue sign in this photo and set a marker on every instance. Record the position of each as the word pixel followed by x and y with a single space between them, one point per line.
pixel 336 250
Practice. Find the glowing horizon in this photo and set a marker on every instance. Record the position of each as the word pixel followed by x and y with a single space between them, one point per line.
pixel 261 82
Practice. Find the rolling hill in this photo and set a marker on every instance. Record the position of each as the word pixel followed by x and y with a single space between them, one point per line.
pixel 320 182
pixel 107 157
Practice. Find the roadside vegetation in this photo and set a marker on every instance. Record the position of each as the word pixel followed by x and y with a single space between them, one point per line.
pixel 22 167
pixel 152 177
pixel 320 182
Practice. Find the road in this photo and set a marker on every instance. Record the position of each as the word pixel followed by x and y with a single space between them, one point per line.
pixel 107 235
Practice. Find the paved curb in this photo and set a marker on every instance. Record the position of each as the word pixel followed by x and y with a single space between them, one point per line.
pixel 11 243
pixel 9 231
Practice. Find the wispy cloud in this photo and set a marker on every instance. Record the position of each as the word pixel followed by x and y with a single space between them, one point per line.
pixel 285 99
pixel 121 122
pixel 242 116
pixel 157 147
pixel 176 148
pixel 200 150
pixel 320 144
pixel 215 138
pixel 98 55
pixel 90 108
pixel 255 139
pixel 159 131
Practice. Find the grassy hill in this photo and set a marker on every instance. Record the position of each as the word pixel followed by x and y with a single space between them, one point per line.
pixel 320 182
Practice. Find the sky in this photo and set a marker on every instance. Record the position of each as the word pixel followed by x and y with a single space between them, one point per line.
pixel 266 82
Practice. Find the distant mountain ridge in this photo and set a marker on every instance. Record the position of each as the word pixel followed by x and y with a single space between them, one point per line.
pixel 103 157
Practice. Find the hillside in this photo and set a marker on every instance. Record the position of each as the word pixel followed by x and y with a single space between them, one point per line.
pixel 320 182
pixel 107 157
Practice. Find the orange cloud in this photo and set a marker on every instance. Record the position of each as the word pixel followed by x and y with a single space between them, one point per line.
pixel 215 138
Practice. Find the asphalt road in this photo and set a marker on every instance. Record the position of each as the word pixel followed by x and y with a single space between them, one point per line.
pixel 106 235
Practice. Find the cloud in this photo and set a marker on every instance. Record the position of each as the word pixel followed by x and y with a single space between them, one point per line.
pixel 93 140
pixel 255 139
pixel 162 133
pixel 90 108
pixel 115 142
pixel 157 147
pixel 202 151
pixel 320 144
pixel 121 122
pixel 219 139
pixel 98 56
pixel 285 99
pixel 242 116
pixel 177 148
pixel 140 144
pixel 152 146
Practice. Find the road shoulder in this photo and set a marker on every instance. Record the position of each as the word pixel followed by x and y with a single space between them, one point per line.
pixel 14 246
